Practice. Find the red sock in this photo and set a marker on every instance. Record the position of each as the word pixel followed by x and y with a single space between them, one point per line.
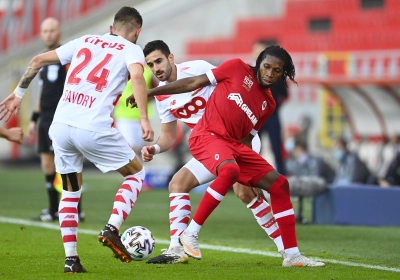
pixel 228 174
pixel 283 211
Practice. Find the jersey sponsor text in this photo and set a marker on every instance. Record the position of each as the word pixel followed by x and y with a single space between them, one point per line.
pixel 239 101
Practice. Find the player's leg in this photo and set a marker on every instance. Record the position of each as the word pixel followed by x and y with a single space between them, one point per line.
pixel 218 156
pixel 256 202
pixel 110 151
pixel 278 187
pixel 45 150
pixel 69 163
pixel 261 211
pixel 187 178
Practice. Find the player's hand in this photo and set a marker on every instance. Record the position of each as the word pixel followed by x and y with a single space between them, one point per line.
pixel 32 129
pixel 15 134
pixel 147 131
pixel 131 101
pixel 148 153
pixel 10 105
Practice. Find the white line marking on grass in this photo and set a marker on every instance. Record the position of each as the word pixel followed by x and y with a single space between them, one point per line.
pixel 203 246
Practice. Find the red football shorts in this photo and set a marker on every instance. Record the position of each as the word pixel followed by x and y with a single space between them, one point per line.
pixel 211 150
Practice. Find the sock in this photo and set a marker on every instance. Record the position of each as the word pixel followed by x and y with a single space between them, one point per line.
pixel 263 214
pixel 284 214
pixel 68 218
pixel 125 198
pixel 227 176
pixel 179 216
pixel 52 193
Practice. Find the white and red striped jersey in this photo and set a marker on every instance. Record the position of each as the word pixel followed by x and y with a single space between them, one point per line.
pixel 188 107
pixel 97 76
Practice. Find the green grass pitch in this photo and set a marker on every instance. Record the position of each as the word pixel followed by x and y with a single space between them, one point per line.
pixel 32 252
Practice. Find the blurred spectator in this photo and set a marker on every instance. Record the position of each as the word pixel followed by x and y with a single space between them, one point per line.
pixel 273 125
pixel 350 168
pixel 304 164
pixel 308 175
pixel 392 177
pixel 389 152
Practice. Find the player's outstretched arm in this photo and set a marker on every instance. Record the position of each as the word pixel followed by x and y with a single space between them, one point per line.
pixel 139 90
pixel 180 86
pixel 12 104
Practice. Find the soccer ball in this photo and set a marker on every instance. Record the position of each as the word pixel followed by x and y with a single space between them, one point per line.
pixel 139 242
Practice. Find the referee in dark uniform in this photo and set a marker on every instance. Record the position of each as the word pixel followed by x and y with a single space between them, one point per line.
pixel 51 80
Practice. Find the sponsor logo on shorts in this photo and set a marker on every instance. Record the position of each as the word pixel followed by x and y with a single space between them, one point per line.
pixel 239 101
pixel 216 156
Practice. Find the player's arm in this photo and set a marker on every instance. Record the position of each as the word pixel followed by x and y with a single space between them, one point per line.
pixel 14 134
pixel 12 103
pixel 139 90
pixel 164 143
pixel 247 140
pixel 181 86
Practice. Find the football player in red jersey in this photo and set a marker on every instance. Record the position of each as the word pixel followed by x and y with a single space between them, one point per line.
pixel 221 141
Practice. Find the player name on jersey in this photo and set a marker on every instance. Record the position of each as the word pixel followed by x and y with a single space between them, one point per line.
pixel 78 98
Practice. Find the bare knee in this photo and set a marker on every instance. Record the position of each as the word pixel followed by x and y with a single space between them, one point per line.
pixel 246 194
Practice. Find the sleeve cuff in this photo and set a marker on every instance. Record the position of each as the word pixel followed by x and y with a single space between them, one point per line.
pixel 211 77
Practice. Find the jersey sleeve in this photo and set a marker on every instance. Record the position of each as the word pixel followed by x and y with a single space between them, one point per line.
pixel 66 52
pixel 134 55
pixel 164 112
pixel 223 71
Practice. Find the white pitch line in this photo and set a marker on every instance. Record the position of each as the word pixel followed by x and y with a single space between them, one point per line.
pixel 203 246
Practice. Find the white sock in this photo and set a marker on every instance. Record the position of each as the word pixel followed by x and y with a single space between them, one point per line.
pixel 179 216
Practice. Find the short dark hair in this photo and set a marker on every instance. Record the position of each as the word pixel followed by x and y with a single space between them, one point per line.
pixel 128 15
pixel 279 52
pixel 156 45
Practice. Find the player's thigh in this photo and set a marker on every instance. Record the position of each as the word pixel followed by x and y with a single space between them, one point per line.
pixel 253 167
pixel 132 132
pixel 191 175
pixel 106 150
pixel 211 151
pixel 67 158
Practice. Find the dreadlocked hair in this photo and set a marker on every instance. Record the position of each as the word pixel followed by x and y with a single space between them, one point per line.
pixel 279 52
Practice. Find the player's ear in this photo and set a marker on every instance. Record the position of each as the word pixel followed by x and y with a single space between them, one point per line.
pixel 171 58
pixel 138 32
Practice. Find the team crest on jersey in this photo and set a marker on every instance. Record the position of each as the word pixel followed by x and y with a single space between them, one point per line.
pixel 264 105
pixel 239 101
pixel 247 82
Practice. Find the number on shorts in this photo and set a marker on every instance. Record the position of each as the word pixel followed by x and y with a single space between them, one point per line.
pixel 100 81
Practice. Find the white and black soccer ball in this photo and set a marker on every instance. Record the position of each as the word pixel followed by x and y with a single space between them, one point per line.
pixel 139 242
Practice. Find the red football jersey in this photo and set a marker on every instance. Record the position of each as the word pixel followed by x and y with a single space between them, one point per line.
pixel 238 104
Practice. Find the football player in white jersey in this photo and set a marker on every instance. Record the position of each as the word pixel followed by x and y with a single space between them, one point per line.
pixel 81 127
pixel 189 107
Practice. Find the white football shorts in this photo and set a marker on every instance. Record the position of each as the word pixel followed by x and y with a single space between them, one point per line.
pixel 132 131
pixel 203 175
pixel 107 150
